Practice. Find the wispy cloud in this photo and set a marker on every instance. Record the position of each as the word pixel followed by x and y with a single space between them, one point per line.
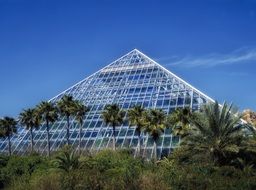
pixel 241 56
pixel 237 74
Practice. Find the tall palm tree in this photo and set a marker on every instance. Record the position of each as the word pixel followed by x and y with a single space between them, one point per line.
pixel 154 125
pixel 30 119
pixel 114 116
pixel 179 121
pixel 66 107
pixel 48 113
pixel 216 133
pixel 135 116
pixel 80 111
pixel 8 128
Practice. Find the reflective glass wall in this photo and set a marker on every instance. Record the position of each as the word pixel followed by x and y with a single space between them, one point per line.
pixel 134 79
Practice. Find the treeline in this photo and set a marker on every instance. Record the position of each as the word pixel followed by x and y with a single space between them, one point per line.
pixel 150 121
pixel 217 151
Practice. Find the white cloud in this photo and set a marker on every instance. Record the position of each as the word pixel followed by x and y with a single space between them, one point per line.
pixel 240 56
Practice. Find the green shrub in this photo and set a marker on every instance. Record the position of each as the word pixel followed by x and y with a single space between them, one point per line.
pixel 111 170
pixel 152 181
pixel 46 181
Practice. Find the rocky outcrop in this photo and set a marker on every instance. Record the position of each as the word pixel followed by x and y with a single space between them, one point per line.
pixel 249 116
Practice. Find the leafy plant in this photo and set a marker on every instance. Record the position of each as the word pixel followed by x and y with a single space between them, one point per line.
pixel 154 125
pixel 114 116
pixel 216 134
pixel 66 107
pixel 48 113
pixel 136 118
pixel 8 126
pixel 67 161
pixel 31 120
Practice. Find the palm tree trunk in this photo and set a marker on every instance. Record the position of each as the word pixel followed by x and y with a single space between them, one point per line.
pixel 48 137
pixel 67 130
pixel 114 137
pixel 80 137
pixel 32 139
pixel 155 151
pixel 9 145
pixel 139 143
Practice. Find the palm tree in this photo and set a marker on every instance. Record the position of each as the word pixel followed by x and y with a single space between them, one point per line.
pixel 8 128
pixel 30 119
pixel 114 116
pixel 135 116
pixel 48 113
pixel 67 161
pixel 179 121
pixel 66 107
pixel 216 133
pixel 247 151
pixel 80 111
pixel 154 125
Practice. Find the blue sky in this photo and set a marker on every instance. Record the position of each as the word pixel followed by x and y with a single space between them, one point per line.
pixel 48 45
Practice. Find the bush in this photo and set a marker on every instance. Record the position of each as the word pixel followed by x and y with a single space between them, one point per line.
pixel 111 170
pixel 151 180
pixel 46 181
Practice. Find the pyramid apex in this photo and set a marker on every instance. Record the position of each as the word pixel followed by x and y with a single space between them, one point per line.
pixel 135 50
pixel 133 79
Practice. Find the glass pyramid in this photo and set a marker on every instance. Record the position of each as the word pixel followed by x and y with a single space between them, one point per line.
pixel 130 80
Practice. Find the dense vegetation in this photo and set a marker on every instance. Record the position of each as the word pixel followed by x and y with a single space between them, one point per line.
pixel 119 170
pixel 217 151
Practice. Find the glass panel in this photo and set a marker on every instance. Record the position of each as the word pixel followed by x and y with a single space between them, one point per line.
pixel 127 142
pixel 134 142
pixel 150 142
pixel 122 132
pixel 87 134
pixel 167 141
pixel 119 142
pixel 165 152
pixel 97 143
pixel 175 141
pixel 159 142
pixel 132 80
pixel 166 103
pixel 130 132
pixel 180 101
pixel 173 102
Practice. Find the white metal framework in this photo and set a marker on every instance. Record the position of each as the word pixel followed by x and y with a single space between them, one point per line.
pixel 133 79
